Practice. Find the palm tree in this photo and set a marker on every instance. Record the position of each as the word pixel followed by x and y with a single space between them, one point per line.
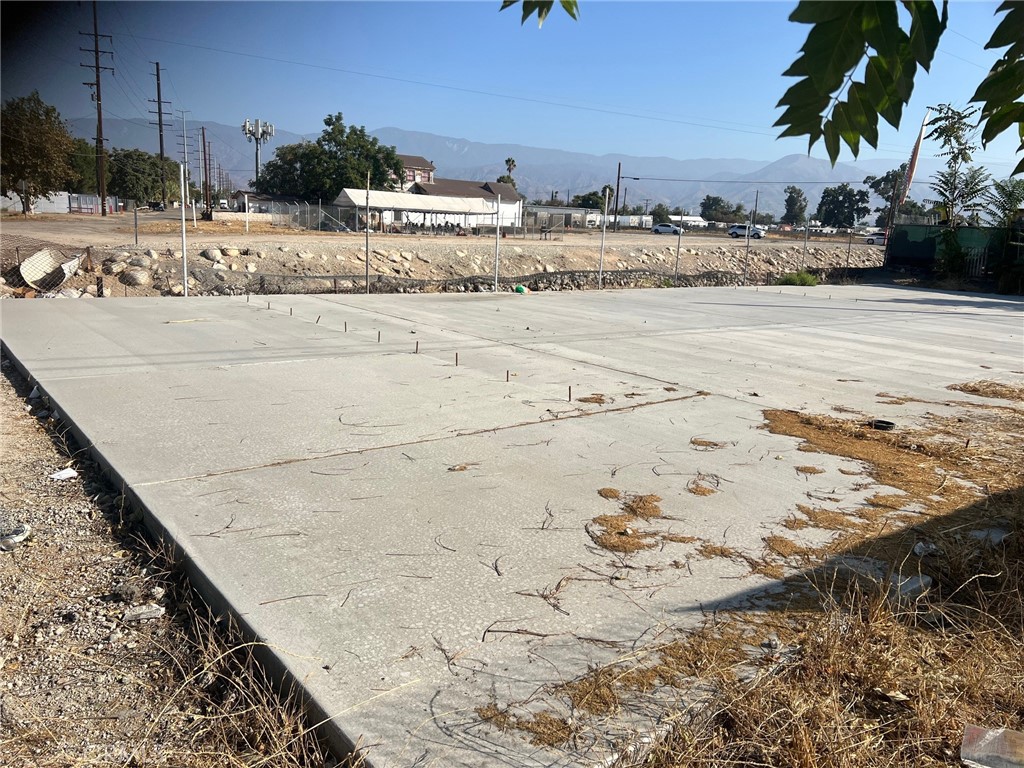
pixel 510 165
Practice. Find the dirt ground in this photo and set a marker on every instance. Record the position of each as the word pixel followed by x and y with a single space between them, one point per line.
pixel 83 680
pixel 300 255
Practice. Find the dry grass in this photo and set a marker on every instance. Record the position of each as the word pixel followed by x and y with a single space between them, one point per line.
pixel 701 444
pixel 619 533
pixel 608 493
pixel 991 389
pixel 807 470
pixel 545 729
pixel 785 548
pixel 699 489
pixel 856 676
pixel 642 506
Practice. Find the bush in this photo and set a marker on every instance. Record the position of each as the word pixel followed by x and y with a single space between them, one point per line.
pixel 797 278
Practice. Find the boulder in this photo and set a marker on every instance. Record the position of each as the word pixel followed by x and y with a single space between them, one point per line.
pixel 136 276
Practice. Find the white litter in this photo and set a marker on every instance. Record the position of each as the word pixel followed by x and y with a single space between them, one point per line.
pixel 64 474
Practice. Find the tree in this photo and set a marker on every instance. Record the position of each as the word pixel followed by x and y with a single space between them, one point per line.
pixel 542 8
pixel 341 157
pixel 960 186
pixel 135 175
pixel 510 165
pixel 1002 201
pixel 960 194
pixel 297 170
pixel 83 163
pixel 660 213
pixel 764 218
pixel 796 206
pixel 842 206
pixel 715 208
pixel 846 35
pixel 593 200
pixel 37 147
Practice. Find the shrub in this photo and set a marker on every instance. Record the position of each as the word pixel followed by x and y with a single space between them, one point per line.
pixel 797 278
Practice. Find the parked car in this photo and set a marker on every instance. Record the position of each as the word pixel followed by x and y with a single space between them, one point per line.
pixel 664 229
pixel 875 238
pixel 740 230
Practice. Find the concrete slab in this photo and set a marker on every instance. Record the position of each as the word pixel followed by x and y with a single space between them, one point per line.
pixel 413 539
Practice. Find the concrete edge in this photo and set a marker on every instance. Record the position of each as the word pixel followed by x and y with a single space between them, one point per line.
pixel 284 681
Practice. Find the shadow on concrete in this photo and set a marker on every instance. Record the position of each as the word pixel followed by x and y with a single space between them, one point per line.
pixel 970 557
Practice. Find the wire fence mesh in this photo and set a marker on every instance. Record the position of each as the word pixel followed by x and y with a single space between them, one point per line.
pixel 338 264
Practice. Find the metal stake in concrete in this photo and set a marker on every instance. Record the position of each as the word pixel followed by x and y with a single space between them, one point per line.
pixel 456 359
pixel 184 252
pixel 346 326
pixel 378 337
pixel 604 229
pixel 317 320
pixel 506 372
pixel 497 242
pixel 417 348
pixel 679 245
pixel 570 393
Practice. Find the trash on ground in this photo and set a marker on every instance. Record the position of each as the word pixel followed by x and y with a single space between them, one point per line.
pixel 992 748
pixel 10 540
pixel 64 474
pixel 47 269
pixel 143 612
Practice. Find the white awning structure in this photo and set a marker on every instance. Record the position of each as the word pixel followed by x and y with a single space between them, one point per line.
pixel 403 201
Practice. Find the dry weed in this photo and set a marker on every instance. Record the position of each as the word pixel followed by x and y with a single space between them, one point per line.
pixel 807 470
pixel 991 389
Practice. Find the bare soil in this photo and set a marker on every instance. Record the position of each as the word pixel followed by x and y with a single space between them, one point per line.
pixel 82 683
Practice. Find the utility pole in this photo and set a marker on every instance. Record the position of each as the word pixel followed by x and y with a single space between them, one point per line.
pixel 206 171
pixel 101 160
pixel 618 180
pixel 185 193
pixel 647 201
pixel 160 122
pixel 261 132
pixel 209 188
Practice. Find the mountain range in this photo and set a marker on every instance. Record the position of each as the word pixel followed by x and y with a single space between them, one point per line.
pixel 539 172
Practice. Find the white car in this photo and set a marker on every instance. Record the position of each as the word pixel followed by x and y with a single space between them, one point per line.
pixel 664 229
pixel 740 230
pixel 875 238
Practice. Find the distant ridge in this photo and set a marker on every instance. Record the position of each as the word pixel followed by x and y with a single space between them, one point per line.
pixel 539 171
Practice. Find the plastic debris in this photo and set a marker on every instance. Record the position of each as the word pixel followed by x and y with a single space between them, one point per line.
pixel 34 394
pixel 992 748
pixel 64 474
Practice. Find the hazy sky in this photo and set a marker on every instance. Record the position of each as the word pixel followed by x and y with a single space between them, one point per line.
pixel 680 79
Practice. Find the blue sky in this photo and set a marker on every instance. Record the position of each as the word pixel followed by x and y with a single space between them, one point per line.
pixel 680 79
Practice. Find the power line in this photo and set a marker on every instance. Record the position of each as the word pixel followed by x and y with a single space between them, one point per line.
pixel 473 91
